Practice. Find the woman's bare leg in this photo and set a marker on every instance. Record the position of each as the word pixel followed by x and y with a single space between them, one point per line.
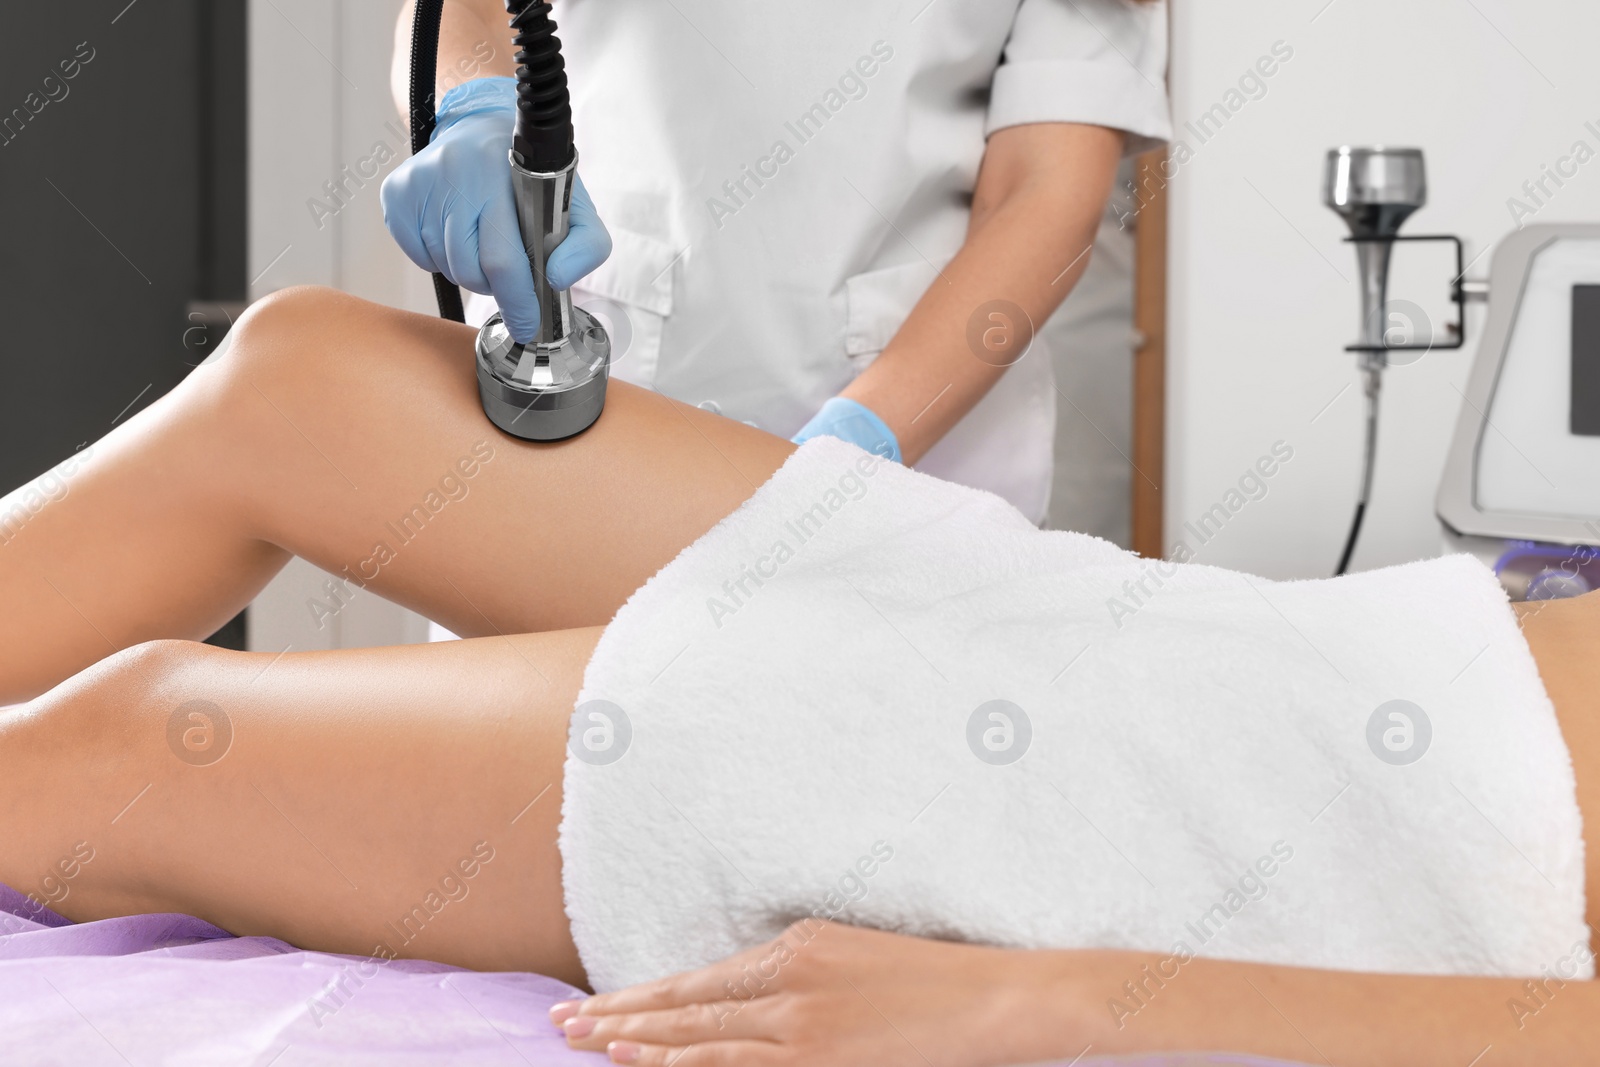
pixel 396 801
pixel 335 790
pixel 1565 638
pixel 341 431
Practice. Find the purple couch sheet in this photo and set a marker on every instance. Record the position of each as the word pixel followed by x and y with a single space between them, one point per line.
pixel 171 989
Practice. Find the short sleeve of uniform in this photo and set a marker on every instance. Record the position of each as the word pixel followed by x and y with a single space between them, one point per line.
pixel 1098 62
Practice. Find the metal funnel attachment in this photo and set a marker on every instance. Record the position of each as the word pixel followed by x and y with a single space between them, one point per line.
pixel 1374 190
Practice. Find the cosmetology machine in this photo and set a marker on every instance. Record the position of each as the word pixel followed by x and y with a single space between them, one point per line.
pixel 1524 465
pixel 1521 485
pixel 554 386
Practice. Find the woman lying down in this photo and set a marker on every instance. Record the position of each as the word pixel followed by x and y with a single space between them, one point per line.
pixel 797 757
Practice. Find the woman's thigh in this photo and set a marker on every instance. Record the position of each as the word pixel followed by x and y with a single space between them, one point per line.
pixel 396 801
pixel 538 537
pixel 351 434
pixel 1564 636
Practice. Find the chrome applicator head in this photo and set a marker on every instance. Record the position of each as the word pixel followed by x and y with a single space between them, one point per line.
pixel 554 386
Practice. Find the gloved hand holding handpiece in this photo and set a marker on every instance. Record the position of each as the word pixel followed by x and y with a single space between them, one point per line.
pixel 523 229
pixel 451 209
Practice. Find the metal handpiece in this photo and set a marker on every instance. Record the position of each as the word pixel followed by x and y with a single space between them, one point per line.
pixel 1374 190
pixel 544 207
pixel 553 387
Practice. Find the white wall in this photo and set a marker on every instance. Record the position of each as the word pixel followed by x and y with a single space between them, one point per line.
pixel 1262 292
pixel 1091 338
pixel 319 104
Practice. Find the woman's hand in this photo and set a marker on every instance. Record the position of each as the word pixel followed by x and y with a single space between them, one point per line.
pixel 824 994
pixel 827 995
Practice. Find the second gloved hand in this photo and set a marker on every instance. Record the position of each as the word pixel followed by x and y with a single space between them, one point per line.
pixel 850 421
pixel 451 210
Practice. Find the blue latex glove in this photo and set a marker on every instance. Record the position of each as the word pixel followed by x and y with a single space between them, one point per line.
pixel 853 422
pixel 451 210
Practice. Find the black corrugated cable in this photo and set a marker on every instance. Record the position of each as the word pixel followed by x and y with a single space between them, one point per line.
pixel 424 63
pixel 543 137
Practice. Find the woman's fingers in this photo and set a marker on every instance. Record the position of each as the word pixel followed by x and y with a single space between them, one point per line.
pixel 821 993
pixel 750 973
pixel 693 987
pixel 717 1054
pixel 720 1020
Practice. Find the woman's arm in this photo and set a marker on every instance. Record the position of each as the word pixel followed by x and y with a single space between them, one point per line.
pixel 1316 1016
pixel 837 995
pixel 1035 211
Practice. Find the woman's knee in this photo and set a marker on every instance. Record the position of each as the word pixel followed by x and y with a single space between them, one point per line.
pixel 125 705
pixel 320 355
pixel 75 760
pixel 280 335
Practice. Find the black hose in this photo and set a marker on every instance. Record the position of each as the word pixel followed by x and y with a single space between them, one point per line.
pixel 1350 543
pixel 1372 370
pixel 424 65
pixel 543 137
pixel 543 140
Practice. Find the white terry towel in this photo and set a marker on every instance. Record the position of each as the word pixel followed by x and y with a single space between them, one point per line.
pixel 1210 764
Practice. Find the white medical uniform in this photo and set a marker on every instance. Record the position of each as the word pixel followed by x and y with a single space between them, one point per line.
pixel 783 181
